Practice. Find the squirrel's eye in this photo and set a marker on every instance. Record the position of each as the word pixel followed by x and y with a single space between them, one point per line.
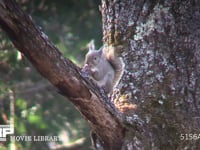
pixel 95 58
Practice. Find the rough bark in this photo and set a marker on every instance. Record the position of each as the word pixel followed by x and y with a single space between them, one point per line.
pixel 161 49
pixel 158 95
pixel 63 74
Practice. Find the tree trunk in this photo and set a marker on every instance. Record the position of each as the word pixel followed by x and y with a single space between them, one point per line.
pixel 161 52
pixel 156 103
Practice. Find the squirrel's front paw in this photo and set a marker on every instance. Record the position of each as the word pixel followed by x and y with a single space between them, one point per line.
pixel 86 69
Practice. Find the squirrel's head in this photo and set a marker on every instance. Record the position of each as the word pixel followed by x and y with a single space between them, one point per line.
pixel 93 57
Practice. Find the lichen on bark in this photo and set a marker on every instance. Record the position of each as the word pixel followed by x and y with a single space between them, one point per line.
pixel 161 77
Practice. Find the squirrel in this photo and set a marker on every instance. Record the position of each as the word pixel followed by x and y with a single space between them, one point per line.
pixel 104 67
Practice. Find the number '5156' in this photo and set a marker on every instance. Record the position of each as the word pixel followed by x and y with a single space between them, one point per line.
pixel 189 136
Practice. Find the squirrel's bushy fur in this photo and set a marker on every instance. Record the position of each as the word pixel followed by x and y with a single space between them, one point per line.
pixel 103 66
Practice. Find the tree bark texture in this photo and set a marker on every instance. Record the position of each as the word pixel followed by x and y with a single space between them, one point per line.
pixel 62 73
pixel 159 92
pixel 161 52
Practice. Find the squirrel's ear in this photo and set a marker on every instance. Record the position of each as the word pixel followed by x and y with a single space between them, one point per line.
pixel 91 45
pixel 100 51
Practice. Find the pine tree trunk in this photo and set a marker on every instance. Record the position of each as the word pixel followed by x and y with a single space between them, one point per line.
pixel 161 52
pixel 156 103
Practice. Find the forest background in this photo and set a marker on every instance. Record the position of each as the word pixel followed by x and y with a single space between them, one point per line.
pixel 38 108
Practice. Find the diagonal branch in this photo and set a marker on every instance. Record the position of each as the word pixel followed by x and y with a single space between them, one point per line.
pixel 61 72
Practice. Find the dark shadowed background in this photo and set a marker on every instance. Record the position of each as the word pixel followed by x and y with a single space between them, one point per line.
pixel 38 109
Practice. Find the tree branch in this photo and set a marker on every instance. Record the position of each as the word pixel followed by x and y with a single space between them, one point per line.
pixel 61 72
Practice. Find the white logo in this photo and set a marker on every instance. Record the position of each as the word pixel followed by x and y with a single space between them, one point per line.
pixel 4 130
